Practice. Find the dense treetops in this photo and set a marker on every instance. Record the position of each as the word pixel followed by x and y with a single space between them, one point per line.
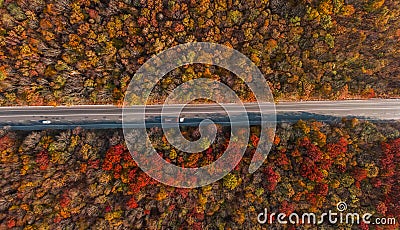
pixel 86 52
pixel 82 178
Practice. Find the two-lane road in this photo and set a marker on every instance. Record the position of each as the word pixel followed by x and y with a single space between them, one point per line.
pixel 375 109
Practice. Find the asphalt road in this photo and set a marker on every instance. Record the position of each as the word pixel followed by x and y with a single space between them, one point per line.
pixel 62 116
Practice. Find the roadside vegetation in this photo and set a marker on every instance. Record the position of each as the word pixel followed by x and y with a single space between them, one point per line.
pixel 87 178
pixel 85 52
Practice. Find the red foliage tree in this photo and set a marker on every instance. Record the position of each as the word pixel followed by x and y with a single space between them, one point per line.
pixel 184 192
pixel 287 208
pixel 141 181
pixel 391 176
pixel 321 189
pixel 117 171
pixel 309 170
pixel 312 198
pixel 132 203
pixel 11 223
pixel 391 154
pixel 282 159
pixel 5 143
pixel 254 139
pixel 364 226
pixel 272 178
pixel 113 157
pixel 94 164
pixel 65 200
pixel 42 159
pixel 335 149
pixel 313 151
pixel 359 174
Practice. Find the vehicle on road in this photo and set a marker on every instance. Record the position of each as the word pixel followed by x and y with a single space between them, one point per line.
pixel 172 120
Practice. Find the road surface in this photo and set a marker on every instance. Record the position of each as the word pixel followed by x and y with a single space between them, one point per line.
pixel 110 116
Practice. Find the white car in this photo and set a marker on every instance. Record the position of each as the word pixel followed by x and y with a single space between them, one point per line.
pixel 171 120
pixel 45 122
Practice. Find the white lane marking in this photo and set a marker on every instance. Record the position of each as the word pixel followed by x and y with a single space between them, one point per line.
pixel 206 112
